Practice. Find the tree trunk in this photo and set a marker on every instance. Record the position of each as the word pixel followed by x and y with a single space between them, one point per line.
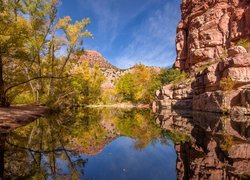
pixel 3 101
pixel 41 88
pixel 51 84
pixel 2 144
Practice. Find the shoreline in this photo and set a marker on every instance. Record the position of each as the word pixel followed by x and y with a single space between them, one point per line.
pixel 19 115
pixel 121 105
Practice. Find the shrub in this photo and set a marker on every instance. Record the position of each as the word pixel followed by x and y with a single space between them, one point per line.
pixel 172 76
pixel 227 142
pixel 227 84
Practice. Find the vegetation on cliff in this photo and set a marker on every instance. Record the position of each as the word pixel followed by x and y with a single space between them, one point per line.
pixel 171 75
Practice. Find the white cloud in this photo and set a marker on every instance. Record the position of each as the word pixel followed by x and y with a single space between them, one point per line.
pixel 112 17
pixel 154 41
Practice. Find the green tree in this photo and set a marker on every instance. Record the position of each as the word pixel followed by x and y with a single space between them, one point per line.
pixel 140 85
pixel 125 87
pixel 171 75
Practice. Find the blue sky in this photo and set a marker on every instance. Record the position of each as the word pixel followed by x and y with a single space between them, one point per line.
pixel 127 32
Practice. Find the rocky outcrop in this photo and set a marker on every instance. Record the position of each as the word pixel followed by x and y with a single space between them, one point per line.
pixel 174 96
pixel 213 47
pixel 94 58
pixel 208 28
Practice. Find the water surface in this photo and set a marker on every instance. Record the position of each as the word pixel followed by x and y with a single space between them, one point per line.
pixel 127 144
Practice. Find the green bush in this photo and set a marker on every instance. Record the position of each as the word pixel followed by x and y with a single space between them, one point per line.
pixel 172 75
pixel 24 98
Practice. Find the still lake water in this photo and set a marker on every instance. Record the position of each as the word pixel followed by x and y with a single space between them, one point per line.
pixel 113 144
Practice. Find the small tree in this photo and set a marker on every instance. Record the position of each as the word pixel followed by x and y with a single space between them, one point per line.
pixel 171 76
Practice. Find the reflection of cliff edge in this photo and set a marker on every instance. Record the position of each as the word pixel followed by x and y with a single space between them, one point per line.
pixel 220 148
pixel 95 149
pixel 213 45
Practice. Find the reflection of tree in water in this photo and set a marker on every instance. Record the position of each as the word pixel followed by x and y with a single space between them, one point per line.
pixel 52 147
pixel 38 150
pixel 139 125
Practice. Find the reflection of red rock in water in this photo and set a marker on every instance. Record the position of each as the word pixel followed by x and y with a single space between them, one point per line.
pixel 220 148
pixel 96 148
pixel 92 149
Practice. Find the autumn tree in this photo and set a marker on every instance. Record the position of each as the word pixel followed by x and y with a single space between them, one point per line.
pixel 14 37
pixel 81 88
pixel 139 85
pixel 29 44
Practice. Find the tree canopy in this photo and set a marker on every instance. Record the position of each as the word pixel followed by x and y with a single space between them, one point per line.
pixel 139 86
pixel 34 58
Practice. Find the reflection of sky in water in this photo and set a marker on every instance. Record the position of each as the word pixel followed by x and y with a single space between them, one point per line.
pixel 55 151
pixel 52 151
pixel 119 160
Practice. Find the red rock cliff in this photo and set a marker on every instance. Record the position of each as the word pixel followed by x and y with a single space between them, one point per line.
pixel 208 28
pixel 213 46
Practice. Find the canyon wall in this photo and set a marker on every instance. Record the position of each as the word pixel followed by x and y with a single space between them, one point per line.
pixel 213 47
pixel 208 28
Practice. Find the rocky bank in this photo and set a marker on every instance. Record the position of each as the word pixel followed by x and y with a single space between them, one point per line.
pixel 213 47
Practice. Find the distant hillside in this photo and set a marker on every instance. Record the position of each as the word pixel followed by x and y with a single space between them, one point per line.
pixel 111 72
pixel 94 57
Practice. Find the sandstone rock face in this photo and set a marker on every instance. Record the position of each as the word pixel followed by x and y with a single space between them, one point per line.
pixel 208 28
pixel 213 43
pixel 233 51
pixel 171 96
pixel 95 58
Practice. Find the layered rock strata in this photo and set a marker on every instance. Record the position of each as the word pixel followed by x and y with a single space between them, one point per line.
pixel 208 28
pixel 213 48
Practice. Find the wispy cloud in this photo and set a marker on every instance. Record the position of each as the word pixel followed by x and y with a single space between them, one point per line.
pixel 112 17
pixel 127 32
pixel 153 43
